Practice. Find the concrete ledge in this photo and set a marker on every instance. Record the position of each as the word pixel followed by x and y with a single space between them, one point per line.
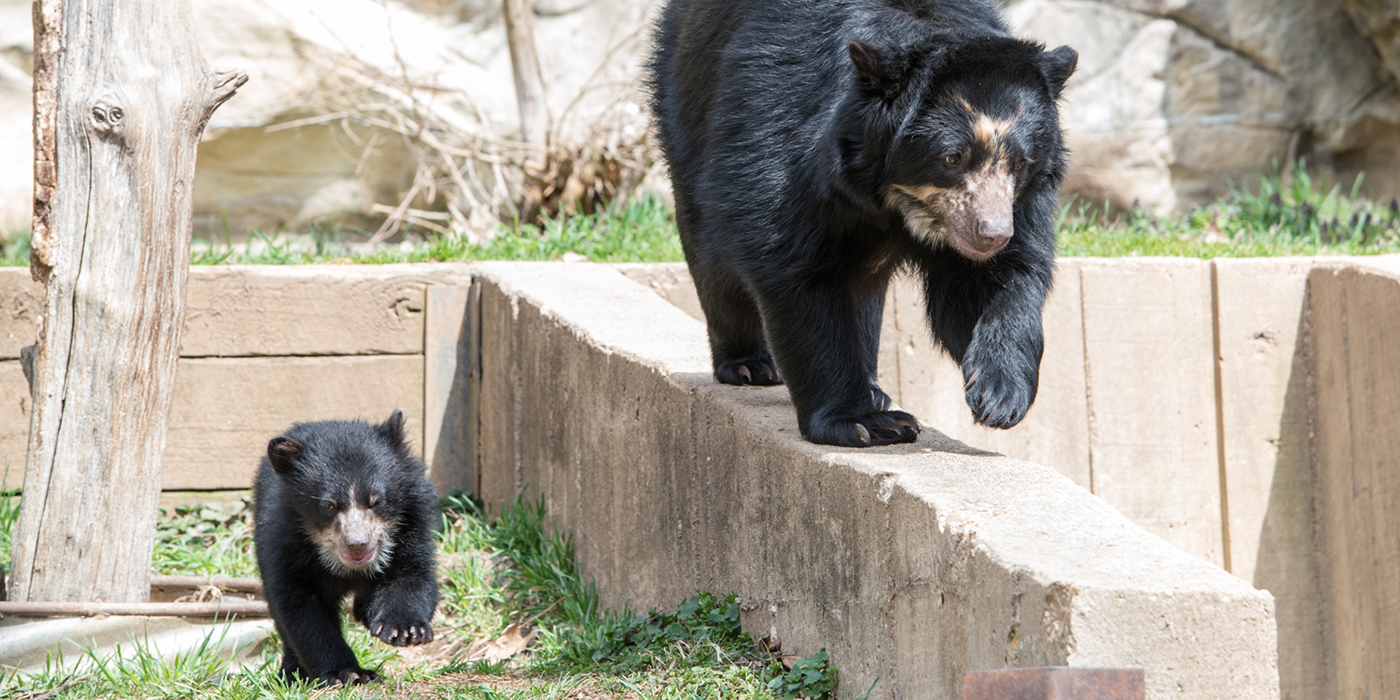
pixel 911 564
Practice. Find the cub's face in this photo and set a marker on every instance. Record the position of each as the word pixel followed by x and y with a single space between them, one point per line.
pixel 960 165
pixel 353 529
pixel 342 480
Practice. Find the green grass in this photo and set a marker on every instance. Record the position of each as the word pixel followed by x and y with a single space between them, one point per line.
pixel 9 515
pixel 14 248
pixel 518 569
pixel 1302 218
pixel 210 539
pixel 641 231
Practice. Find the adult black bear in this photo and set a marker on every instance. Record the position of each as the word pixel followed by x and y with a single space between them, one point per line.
pixel 816 147
pixel 342 508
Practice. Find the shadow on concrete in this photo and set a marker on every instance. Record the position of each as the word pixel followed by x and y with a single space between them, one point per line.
pixel 773 407
pixel 1287 564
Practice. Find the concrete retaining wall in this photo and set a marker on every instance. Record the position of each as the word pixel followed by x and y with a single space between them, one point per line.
pixel 1355 321
pixel 1214 417
pixel 1241 409
pixel 911 564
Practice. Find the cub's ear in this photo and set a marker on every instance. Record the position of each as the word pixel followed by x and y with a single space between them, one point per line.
pixel 879 72
pixel 1058 65
pixel 283 452
pixel 393 428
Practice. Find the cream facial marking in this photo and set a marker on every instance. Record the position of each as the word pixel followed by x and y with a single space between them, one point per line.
pixel 976 218
pixel 356 541
pixel 988 130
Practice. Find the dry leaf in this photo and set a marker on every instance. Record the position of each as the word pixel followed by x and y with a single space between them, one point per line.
pixel 510 643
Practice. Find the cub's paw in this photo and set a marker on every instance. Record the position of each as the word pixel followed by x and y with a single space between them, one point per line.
pixel 757 370
pixel 350 675
pixel 999 393
pixel 402 631
pixel 869 430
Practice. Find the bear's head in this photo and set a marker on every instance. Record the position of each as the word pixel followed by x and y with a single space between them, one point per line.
pixel 966 128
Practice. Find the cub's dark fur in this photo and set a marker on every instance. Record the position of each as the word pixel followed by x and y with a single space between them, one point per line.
pixel 816 147
pixel 343 508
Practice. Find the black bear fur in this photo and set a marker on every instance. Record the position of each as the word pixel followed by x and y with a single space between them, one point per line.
pixel 817 147
pixel 342 508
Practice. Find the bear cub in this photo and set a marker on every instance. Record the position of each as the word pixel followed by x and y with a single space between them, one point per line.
pixel 816 148
pixel 342 508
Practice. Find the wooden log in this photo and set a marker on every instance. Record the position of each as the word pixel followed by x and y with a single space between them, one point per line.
pixel 229 583
pixel 122 95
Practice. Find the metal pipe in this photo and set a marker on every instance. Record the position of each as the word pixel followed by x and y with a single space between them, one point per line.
pixel 217 609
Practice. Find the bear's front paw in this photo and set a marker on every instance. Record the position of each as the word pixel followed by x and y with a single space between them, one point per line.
pixel 350 675
pixel 999 393
pixel 869 430
pixel 402 631
pixel 758 370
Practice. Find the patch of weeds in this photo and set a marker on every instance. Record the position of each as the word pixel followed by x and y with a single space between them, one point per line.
pixel 518 569
pixel 1302 218
pixel 9 516
pixel 14 248
pixel 472 602
pixel 808 678
pixel 642 230
pixel 700 645
pixel 208 539
pixel 135 669
pixel 703 631
pixel 540 579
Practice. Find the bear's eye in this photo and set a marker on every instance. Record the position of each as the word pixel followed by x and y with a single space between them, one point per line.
pixel 328 507
pixel 1020 164
pixel 953 159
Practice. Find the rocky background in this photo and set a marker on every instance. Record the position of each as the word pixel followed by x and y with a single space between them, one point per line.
pixel 1176 99
pixel 358 108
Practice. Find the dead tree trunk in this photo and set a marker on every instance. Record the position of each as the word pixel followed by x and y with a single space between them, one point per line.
pixel 529 83
pixel 121 96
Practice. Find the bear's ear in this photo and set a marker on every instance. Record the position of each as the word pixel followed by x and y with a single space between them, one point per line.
pixel 879 73
pixel 283 452
pixel 393 428
pixel 1058 65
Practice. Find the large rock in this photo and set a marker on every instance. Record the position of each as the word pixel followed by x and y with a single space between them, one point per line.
pixel 16 113
pixel 1379 20
pixel 1177 99
pixel 309 58
pixel 444 57
pixel 1174 100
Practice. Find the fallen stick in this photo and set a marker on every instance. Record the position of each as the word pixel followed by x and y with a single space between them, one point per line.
pixel 242 585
